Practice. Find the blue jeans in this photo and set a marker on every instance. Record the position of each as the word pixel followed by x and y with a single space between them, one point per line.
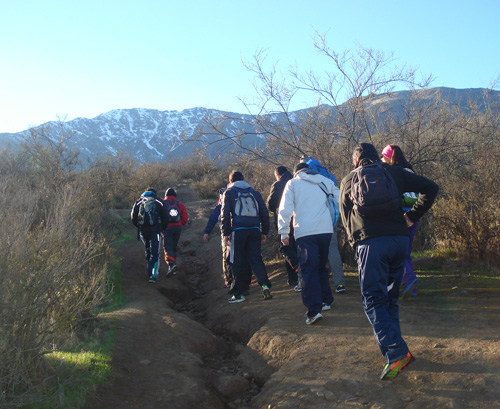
pixel 381 261
pixel 409 275
pixel 246 257
pixel 313 256
pixel 151 243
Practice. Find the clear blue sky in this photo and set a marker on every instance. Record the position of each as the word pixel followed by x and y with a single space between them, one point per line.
pixel 80 58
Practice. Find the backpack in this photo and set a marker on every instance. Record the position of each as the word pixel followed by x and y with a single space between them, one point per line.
pixel 373 191
pixel 148 214
pixel 173 211
pixel 331 204
pixel 246 204
pixel 315 165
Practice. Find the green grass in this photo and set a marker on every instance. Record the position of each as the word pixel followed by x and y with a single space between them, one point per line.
pixel 79 372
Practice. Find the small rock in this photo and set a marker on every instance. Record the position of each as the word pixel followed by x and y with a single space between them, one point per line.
pixel 330 396
pixel 145 362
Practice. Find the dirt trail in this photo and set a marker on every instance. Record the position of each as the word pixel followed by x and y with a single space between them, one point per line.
pixel 179 344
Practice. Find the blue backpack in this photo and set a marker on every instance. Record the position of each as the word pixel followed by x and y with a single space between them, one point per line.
pixel 318 167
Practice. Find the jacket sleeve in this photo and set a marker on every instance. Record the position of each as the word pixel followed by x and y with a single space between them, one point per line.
pixel 163 213
pixel 273 200
pixel 226 213
pixel 184 215
pixel 285 210
pixel 263 214
pixel 134 213
pixel 345 206
pixel 428 191
pixel 213 219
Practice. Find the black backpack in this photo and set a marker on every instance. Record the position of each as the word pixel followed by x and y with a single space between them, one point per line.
pixel 373 191
pixel 173 211
pixel 148 214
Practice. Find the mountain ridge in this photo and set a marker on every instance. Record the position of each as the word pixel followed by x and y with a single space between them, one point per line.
pixel 155 135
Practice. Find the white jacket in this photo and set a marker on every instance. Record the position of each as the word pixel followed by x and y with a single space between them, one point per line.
pixel 304 200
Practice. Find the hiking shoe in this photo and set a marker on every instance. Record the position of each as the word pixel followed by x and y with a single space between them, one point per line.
pixel 266 292
pixel 326 307
pixel 393 369
pixel 298 288
pixel 409 289
pixel 340 289
pixel 312 320
pixel 235 299
pixel 172 270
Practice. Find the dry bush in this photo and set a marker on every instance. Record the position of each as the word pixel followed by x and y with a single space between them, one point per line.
pixel 52 273
pixel 467 217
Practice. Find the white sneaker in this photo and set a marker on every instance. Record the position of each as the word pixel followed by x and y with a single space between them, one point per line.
pixel 326 307
pixel 314 319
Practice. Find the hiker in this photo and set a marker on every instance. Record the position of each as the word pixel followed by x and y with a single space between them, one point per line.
pixel 212 221
pixel 172 233
pixel 304 202
pixel 149 217
pixel 245 225
pixel 283 175
pixel 393 155
pixel 334 258
pixel 377 228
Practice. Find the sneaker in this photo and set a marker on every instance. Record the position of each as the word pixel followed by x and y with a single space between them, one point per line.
pixel 154 279
pixel 266 292
pixel 235 299
pixel 340 289
pixel 326 307
pixel 312 320
pixel 408 290
pixel 298 288
pixel 292 283
pixel 393 369
pixel 172 270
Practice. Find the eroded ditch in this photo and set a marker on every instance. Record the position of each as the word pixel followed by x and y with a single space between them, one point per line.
pixel 231 378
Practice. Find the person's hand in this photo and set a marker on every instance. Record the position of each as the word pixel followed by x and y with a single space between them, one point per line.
pixel 409 223
pixel 263 238
pixel 285 242
pixel 205 238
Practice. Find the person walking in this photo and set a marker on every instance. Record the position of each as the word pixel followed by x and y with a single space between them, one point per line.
pixel 212 221
pixel 177 217
pixel 377 228
pixel 334 258
pixel 149 217
pixel 304 201
pixel 393 155
pixel 245 225
pixel 283 175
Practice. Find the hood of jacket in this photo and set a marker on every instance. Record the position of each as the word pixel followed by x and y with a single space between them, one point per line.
pixel 240 184
pixel 310 176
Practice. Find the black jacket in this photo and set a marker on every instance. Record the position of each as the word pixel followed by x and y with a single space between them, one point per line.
pixel 274 198
pixel 361 228
pixel 156 228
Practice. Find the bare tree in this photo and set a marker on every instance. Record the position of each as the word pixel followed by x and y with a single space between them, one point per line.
pixel 342 113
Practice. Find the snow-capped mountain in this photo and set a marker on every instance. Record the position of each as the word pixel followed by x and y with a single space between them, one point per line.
pixel 153 135
pixel 146 134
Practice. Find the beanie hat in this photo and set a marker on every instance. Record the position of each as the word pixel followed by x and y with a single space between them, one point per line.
pixel 387 152
pixel 170 192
